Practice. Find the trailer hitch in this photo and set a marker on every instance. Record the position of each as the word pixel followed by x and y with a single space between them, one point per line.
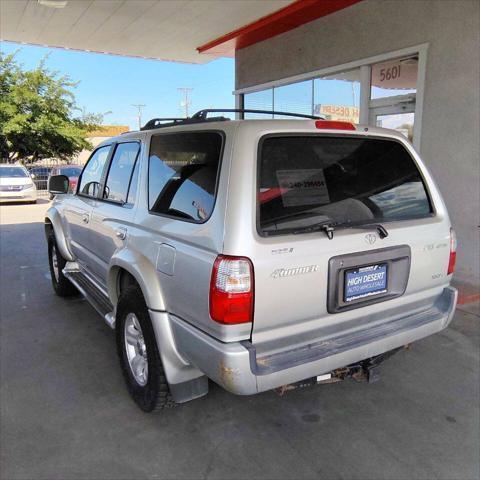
pixel 364 371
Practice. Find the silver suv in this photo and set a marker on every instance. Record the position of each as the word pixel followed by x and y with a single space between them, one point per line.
pixel 255 253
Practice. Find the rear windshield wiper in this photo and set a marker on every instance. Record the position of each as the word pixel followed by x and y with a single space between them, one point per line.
pixel 329 227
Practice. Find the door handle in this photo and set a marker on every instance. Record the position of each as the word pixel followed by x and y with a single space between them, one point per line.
pixel 85 218
pixel 121 233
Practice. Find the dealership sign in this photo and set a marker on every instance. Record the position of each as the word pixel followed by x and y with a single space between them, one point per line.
pixel 347 113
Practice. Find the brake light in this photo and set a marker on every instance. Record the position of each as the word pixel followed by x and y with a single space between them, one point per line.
pixel 334 125
pixel 231 290
pixel 453 252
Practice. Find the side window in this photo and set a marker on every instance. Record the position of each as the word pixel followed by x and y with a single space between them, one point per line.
pixel 92 173
pixel 183 169
pixel 120 172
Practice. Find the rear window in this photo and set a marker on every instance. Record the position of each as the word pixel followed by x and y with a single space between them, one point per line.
pixel 339 180
pixel 182 174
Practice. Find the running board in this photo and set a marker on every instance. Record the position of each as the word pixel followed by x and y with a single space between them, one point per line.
pixel 97 299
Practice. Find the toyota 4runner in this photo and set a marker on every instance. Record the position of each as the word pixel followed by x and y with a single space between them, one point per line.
pixel 255 253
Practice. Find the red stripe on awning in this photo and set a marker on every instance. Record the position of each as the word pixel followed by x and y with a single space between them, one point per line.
pixel 288 18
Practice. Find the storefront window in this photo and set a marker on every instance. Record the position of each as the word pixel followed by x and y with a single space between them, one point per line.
pixel 294 98
pixel 262 100
pixel 386 91
pixel 337 97
pixel 395 77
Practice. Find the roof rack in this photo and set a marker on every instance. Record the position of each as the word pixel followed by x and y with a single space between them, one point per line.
pixel 202 114
pixel 172 122
pixel 157 122
pixel 201 117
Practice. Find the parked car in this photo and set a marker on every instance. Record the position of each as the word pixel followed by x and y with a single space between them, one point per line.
pixel 255 253
pixel 70 171
pixel 40 176
pixel 16 185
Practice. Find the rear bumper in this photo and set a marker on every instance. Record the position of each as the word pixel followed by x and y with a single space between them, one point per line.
pixel 237 367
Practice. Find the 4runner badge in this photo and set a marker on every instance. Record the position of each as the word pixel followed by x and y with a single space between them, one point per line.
pixel 370 238
pixel 290 272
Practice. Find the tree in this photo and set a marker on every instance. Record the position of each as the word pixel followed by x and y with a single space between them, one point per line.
pixel 37 114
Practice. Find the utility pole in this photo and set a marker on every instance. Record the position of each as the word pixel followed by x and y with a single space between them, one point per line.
pixel 139 106
pixel 186 102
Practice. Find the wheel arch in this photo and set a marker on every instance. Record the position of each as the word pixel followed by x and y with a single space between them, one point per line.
pixel 53 222
pixel 135 266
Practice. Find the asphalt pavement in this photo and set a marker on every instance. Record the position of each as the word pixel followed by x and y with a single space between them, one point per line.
pixel 65 413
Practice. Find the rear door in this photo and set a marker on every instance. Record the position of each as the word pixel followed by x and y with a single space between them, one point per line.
pixel 320 263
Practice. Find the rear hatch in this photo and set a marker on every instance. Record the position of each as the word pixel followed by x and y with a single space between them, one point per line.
pixel 350 232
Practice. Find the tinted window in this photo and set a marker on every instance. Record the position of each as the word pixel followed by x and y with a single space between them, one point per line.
pixel 306 180
pixel 13 172
pixel 183 174
pixel 120 172
pixel 92 173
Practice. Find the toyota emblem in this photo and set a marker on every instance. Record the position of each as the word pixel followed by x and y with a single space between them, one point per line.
pixel 370 238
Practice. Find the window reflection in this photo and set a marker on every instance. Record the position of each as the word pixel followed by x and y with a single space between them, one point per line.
pixel 183 172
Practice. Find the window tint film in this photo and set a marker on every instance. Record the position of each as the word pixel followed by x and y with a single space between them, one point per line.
pixel 183 174
pixel 120 172
pixel 92 173
pixel 313 179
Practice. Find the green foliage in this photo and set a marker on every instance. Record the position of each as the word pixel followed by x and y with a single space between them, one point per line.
pixel 37 114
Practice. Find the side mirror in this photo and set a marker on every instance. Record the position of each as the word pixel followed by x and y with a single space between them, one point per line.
pixel 58 184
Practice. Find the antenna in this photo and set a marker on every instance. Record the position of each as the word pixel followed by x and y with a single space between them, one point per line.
pixel 186 102
pixel 139 106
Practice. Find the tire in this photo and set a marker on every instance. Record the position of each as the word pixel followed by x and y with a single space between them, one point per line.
pixel 148 387
pixel 62 286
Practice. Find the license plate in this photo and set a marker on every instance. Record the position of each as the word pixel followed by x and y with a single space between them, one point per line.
pixel 365 282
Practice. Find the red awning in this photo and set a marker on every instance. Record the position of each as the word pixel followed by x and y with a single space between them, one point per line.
pixel 288 18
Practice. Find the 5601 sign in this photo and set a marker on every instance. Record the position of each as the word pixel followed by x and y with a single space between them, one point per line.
pixel 396 75
pixel 390 73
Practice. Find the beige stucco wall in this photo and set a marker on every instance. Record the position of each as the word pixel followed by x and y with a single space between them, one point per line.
pixel 450 143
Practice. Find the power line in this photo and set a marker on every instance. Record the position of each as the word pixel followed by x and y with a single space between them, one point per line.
pixel 186 101
pixel 139 106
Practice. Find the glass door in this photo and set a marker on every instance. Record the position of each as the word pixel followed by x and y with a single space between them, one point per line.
pixel 400 117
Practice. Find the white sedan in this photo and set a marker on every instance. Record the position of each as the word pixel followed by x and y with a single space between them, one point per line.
pixel 16 185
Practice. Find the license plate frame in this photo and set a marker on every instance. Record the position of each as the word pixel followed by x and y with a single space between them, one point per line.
pixel 365 282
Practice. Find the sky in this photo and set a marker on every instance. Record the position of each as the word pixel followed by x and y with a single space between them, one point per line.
pixel 113 83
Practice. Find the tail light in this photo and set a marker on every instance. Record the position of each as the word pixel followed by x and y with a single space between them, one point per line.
pixel 231 290
pixel 453 252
